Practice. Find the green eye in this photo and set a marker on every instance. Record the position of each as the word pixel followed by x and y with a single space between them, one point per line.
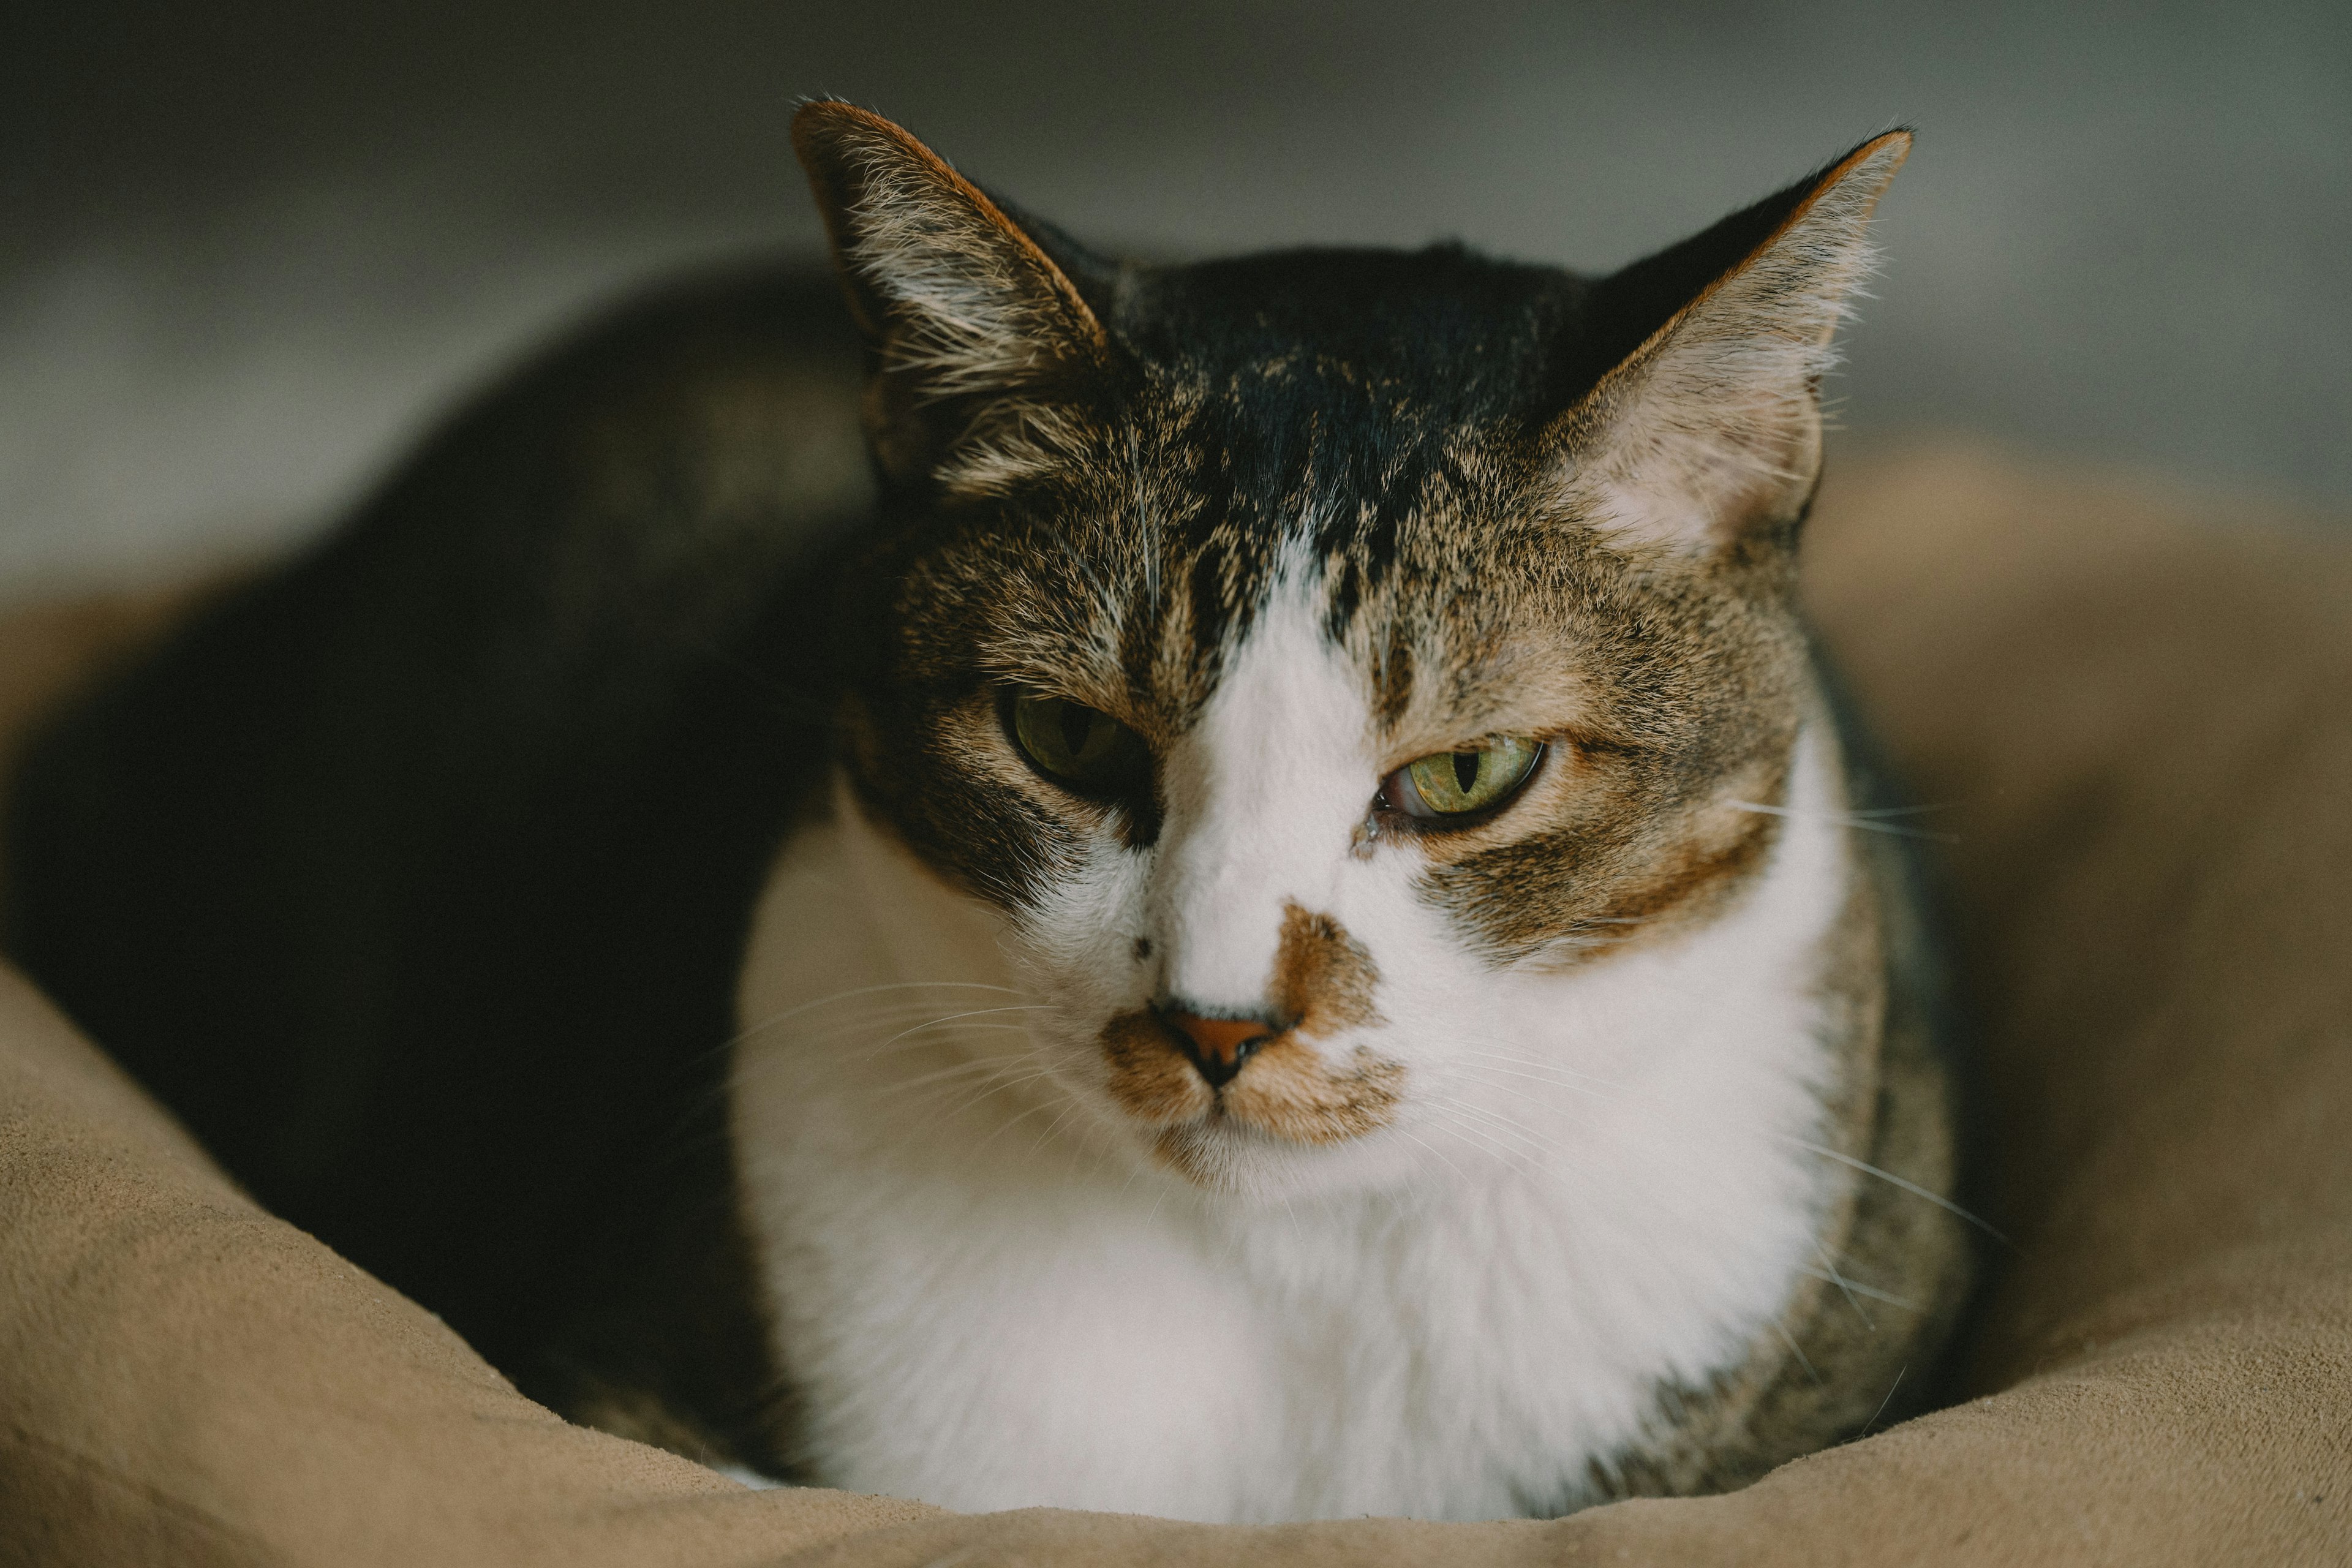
pixel 1077 745
pixel 1456 784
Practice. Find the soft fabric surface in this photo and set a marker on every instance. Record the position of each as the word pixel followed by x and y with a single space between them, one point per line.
pixel 2138 716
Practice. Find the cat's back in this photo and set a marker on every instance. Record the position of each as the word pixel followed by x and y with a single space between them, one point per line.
pixel 401 871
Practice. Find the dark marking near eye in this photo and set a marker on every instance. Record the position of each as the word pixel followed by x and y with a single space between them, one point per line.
pixel 1142 948
pixel 1606 883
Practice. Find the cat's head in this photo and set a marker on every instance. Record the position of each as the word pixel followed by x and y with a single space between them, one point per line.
pixel 1315 657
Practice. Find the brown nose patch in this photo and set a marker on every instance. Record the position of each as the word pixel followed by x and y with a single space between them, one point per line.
pixel 1322 976
pixel 1323 979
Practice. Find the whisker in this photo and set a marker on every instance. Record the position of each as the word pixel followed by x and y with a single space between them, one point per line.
pixel 951 1019
pixel 1602 1178
pixel 1869 824
pixel 1524 1060
pixel 1810 1147
pixel 1054 1126
pixel 1857 1288
pixel 1448 1164
pixel 1845 1288
pixel 1010 1122
pixel 1595 1085
pixel 1912 1188
pixel 884 1018
pixel 749 1069
pixel 1884 1402
pixel 756 1070
pixel 1477 1136
pixel 991 1092
pixel 1297 1228
pixel 856 991
pixel 960 1069
pixel 922 1023
pixel 1497 1125
pixel 1599 1088
pixel 1798 1351
pixel 1464 1126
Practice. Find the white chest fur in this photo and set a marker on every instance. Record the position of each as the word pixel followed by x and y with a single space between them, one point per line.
pixel 982 1306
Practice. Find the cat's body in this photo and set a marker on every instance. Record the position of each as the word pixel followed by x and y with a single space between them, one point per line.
pixel 1032 1322
pixel 711 944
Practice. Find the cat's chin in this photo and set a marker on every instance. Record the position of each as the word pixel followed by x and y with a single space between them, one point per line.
pixel 1224 1155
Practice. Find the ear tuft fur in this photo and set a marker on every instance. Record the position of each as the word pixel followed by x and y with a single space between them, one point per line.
pixel 978 331
pixel 1711 429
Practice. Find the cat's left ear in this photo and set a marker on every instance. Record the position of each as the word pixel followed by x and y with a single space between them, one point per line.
pixel 1708 432
pixel 983 345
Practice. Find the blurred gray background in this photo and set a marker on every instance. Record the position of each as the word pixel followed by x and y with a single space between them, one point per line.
pixel 250 247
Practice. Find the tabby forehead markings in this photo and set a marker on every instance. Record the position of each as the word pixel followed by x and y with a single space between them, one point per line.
pixel 1263 795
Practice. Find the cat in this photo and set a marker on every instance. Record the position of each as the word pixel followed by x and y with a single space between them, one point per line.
pixel 1230 890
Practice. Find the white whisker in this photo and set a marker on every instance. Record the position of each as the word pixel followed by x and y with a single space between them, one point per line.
pixel 1855 1286
pixel 1590 1084
pixel 960 1069
pixel 1912 1187
pixel 858 991
pixel 1828 1272
pixel 1885 1401
pixel 1869 821
pixel 1442 1158
pixel 1470 1132
pixel 1798 1351
pixel 1012 1121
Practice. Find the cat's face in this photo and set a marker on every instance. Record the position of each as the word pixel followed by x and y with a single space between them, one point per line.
pixel 1322 661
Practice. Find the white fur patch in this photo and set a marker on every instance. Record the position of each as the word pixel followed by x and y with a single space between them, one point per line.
pixel 1262 796
pixel 993 1295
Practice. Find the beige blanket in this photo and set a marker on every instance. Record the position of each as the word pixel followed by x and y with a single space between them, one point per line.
pixel 2139 715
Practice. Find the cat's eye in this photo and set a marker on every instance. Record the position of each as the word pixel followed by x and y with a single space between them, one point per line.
pixel 1461 784
pixel 1078 746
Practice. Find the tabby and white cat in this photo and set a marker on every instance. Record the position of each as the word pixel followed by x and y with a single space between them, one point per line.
pixel 1280 893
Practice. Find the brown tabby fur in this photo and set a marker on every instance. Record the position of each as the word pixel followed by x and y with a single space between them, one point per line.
pixel 457 821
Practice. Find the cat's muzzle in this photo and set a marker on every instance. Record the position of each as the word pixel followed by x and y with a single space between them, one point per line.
pixel 1197 1080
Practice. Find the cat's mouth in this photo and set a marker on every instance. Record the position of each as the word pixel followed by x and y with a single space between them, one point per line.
pixel 1288 1089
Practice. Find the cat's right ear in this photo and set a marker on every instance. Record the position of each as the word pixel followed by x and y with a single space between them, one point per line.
pixel 983 345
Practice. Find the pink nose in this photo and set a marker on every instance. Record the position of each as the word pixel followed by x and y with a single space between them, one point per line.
pixel 1218 1046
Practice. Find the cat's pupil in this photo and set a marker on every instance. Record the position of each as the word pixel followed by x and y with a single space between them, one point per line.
pixel 1465 769
pixel 1076 725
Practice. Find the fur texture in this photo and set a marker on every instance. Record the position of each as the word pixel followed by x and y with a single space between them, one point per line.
pixel 1004 1284
pixel 430 877
pixel 1541 1121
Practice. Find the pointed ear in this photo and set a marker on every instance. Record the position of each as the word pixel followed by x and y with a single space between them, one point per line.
pixel 1709 431
pixel 982 342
